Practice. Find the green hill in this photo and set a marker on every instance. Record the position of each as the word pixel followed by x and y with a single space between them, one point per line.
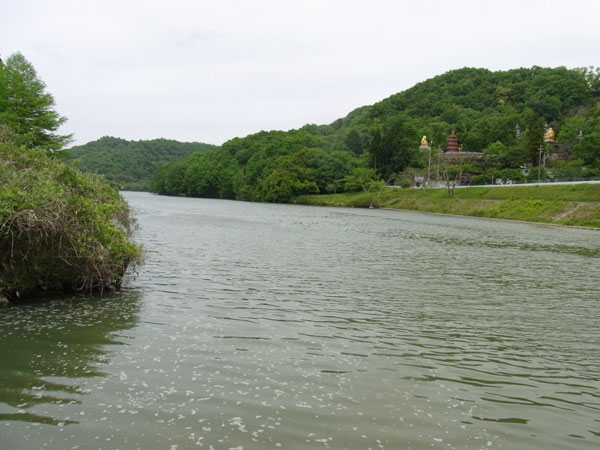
pixel 502 114
pixel 130 164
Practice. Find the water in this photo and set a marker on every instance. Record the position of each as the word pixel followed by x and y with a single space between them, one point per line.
pixel 273 326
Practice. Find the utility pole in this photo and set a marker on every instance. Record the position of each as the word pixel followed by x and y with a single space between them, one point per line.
pixel 540 161
pixel 429 166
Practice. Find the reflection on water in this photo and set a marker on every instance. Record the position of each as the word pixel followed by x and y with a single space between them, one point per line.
pixel 49 348
pixel 274 326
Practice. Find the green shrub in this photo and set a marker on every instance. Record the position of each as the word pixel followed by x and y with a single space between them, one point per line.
pixel 60 230
pixel 484 178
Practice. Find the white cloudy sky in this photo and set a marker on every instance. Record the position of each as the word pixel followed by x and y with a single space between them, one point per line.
pixel 213 70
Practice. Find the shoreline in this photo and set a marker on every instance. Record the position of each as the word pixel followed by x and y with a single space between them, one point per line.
pixel 529 222
pixel 573 206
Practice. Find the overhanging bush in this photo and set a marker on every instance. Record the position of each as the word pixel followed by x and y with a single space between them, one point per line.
pixel 60 230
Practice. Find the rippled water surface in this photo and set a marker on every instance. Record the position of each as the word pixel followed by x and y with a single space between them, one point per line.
pixel 272 326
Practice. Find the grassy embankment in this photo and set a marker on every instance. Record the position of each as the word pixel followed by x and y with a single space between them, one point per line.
pixel 575 205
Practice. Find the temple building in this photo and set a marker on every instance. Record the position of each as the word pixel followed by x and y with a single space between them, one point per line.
pixel 452 145
pixel 455 150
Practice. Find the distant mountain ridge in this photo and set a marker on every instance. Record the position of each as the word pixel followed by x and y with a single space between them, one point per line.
pixel 131 164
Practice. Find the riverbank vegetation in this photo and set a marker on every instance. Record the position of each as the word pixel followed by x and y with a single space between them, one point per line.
pixel 129 165
pixel 505 117
pixel 60 230
pixel 575 205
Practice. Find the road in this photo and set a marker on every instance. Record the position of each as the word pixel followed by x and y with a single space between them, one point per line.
pixel 533 184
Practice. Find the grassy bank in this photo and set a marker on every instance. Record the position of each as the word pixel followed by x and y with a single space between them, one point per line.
pixel 558 204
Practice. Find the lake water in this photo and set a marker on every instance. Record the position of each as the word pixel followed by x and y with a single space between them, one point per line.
pixel 262 326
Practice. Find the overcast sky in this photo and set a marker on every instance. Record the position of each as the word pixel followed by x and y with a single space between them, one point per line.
pixel 212 70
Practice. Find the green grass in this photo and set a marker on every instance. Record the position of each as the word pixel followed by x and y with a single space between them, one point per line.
pixel 577 205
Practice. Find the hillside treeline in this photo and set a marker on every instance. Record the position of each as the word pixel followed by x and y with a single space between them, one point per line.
pixel 130 164
pixel 502 114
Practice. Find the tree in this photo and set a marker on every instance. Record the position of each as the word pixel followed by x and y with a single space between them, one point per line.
pixel 287 177
pixel 535 136
pixel 60 230
pixel 588 150
pixel 332 167
pixel 354 142
pixel 201 179
pixel 450 172
pixel 592 76
pixel 396 148
pixel 569 133
pixel 400 144
pixel 547 106
pixel 360 178
pixel 26 108
pixel 131 164
pixel 499 113
pixel 375 149
pixel 496 149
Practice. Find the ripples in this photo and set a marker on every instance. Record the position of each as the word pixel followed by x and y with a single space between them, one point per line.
pixel 268 326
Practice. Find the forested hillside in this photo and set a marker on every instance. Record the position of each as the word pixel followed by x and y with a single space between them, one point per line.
pixel 503 115
pixel 131 164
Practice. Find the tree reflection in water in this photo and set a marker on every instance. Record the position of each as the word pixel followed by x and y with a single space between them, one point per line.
pixel 49 347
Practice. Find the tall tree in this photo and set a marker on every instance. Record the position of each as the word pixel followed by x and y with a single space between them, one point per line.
pixel 354 142
pixel 535 136
pixel 399 146
pixel 26 108
pixel 588 150
pixel 375 149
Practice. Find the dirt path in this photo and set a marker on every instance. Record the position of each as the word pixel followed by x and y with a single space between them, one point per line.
pixel 570 211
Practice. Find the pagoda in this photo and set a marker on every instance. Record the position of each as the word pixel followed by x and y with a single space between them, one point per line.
pixel 452 146
pixel 455 151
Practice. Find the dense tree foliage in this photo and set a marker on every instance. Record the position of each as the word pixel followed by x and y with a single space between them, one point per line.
pixel 130 164
pixel 588 150
pixel 502 114
pixel 267 166
pixel 60 230
pixel 26 108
